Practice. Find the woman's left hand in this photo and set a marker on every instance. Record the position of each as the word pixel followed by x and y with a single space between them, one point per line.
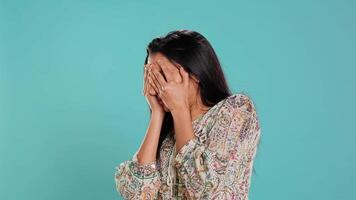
pixel 173 94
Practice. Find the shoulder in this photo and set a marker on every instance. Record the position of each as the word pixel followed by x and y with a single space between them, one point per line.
pixel 242 109
pixel 240 102
pixel 244 116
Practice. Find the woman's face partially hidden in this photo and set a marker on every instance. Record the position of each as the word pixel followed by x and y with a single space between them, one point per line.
pixel 152 58
pixel 193 86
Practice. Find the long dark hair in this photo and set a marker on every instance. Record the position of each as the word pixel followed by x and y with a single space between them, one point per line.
pixel 194 53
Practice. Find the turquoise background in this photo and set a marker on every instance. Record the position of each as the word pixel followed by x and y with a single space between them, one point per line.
pixel 71 107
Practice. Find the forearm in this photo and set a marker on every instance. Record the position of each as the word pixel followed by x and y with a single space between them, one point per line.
pixel 148 148
pixel 182 127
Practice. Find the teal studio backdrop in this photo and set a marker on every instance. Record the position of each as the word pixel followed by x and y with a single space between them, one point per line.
pixel 71 107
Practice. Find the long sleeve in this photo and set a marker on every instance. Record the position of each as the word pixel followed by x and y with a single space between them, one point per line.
pixel 221 169
pixel 137 181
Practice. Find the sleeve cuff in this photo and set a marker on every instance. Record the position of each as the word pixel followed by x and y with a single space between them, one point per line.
pixel 143 171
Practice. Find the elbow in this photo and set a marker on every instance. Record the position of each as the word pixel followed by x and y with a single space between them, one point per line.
pixel 119 181
pixel 122 182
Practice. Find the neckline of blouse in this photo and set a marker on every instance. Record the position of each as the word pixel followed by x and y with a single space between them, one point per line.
pixel 210 109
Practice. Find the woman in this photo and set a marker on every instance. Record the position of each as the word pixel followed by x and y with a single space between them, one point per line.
pixel 202 139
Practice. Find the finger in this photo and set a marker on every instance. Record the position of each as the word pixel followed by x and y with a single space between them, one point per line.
pixel 144 79
pixel 179 73
pixel 185 76
pixel 159 78
pixel 160 86
pixel 150 89
pixel 168 68
pixel 153 84
pixel 156 83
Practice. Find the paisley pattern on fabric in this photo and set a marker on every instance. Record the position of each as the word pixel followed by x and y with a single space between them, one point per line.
pixel 217 164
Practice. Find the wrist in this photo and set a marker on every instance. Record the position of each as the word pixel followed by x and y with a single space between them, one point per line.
pixel 181 112
pixel 180 108
pixel 157 115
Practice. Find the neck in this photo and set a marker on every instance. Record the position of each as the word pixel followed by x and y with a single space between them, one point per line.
pixel 198 109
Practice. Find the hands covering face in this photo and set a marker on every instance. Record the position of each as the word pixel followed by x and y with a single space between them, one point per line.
pixel 170 82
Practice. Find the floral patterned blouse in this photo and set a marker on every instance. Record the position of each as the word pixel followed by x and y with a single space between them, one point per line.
pixel 217 164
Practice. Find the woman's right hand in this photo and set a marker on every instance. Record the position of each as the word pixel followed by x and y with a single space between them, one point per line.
pixel 151 95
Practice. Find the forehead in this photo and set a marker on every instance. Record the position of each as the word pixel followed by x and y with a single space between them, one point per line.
pixel 153 57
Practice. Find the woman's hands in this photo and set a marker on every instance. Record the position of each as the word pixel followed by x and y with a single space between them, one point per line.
pixel 149 147
pixel 150 94
pixel 172 86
